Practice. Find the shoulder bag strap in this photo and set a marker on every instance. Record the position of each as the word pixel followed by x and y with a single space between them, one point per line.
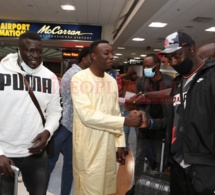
pixel 34 99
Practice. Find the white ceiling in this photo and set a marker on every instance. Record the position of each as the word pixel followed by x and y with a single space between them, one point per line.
pixel 179 14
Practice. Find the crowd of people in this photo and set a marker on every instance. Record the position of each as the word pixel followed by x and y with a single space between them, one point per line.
pixel 83 117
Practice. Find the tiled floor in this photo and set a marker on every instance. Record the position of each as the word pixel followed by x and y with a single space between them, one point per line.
pixel 125 173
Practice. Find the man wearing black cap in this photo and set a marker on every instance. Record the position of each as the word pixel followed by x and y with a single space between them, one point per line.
pixel 193 127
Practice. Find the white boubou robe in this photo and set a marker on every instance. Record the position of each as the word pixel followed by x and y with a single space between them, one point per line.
pixel 97 131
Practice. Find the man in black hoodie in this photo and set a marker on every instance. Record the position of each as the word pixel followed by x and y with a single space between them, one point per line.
pixel 193 128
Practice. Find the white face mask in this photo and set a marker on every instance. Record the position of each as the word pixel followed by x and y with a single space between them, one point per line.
pixel 26 67
pixel 148 72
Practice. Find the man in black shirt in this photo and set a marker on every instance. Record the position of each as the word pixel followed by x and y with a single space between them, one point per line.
pixel 193 129
pixel 149 140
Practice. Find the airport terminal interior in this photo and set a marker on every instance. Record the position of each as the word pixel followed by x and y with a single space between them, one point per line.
pixel 134 28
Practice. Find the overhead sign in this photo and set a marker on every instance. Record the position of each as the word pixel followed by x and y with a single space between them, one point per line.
pixel 50 31
pixel 70 54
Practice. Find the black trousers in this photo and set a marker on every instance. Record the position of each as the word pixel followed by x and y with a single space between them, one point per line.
pixel 34 173
pixel 180 182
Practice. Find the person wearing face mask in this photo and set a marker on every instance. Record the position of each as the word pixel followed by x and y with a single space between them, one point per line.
pixel 23 133
pixel 205 52
pixel 191 124
pixel 149 140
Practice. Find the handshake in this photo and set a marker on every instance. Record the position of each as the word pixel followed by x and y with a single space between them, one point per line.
pixel 137 119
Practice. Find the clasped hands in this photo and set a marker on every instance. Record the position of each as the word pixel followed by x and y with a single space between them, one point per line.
pixel 137 119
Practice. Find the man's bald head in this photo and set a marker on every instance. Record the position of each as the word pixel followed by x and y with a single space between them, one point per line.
pixel 207 51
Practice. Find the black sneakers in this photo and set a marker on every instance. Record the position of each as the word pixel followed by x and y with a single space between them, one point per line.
pixel 131 191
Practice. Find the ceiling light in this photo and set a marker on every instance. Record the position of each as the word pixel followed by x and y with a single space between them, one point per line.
pixel 157 24
pixel 115 57
pixel 143 55
pixel 138 39
pixel 120 47
pixel 211 29
pixel 68 7
pixel 202 19
pixel 118 54
pixel 133 53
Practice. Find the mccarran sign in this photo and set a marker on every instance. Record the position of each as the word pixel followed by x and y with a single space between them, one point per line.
pixel 51 31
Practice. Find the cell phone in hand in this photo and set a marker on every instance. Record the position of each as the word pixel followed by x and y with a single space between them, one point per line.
pixel 35 144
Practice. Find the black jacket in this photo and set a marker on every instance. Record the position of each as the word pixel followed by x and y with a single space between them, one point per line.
pixel 199 117
pixel 156 111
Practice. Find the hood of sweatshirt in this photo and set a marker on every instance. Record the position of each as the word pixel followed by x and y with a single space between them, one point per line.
pixel 10 63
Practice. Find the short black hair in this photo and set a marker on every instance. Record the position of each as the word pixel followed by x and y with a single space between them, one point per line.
pixel 156 59
pixel 84 52
pixel 30 35
pixel 95 43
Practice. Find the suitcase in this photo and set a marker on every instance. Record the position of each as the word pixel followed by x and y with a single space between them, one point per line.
pixel 154 184
pixel 16 175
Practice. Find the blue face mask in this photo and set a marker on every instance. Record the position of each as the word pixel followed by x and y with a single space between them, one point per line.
pixel 148 72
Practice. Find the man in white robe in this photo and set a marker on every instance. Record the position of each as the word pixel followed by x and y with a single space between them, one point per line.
pixel 97 125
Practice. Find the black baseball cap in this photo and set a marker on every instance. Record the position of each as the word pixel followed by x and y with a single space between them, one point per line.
pixel 176 41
